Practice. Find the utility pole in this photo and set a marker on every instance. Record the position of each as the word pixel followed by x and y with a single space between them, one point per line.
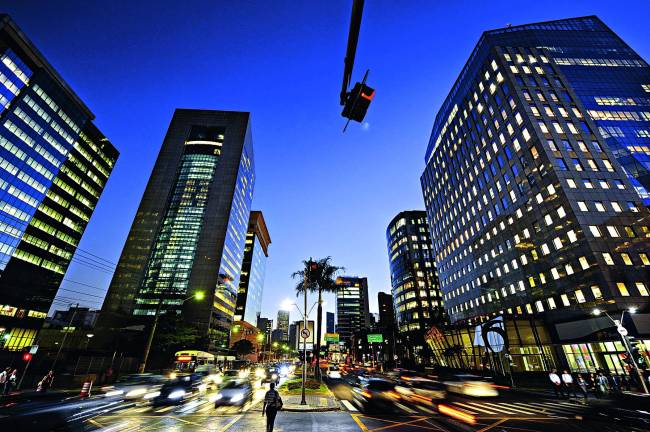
pixel 305 283
pixel 65 334
pixel 152 332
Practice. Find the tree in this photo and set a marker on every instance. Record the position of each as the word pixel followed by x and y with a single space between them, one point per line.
pixel 321 277
pixel 173 335
pixel 243 347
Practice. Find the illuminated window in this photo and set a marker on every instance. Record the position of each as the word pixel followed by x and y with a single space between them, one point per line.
pixel 571 183
pixel 599 206
pixel 594 231
pixel 551 303
pixel 642 289
pixel 584 263
pixel 565 300
pixel 613 231
pixel 572 236
pixel 555 273
pixel 580 297
pixel 644 259
pixel 596 292
pixel 608 258
pixel 583 206
pixel 622 289
pixel 617 208
pixel 569 269
pixel 626 259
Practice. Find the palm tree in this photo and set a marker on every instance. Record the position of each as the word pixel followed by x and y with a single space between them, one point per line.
pixel 320 278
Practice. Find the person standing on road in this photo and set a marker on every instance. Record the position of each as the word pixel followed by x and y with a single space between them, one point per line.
pixel 11 381
pixel 556 382
pixel 272 404
pixel 567 381
pixel 46 382
pixel 4 376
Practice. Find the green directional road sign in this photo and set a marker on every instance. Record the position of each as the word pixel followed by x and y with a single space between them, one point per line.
pixel 372 338
pixel 331 337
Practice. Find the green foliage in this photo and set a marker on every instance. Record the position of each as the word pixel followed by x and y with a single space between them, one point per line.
pixel 322 279
pixel 173 334
pixel 243 347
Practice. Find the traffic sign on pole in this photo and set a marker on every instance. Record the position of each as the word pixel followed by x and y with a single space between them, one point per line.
pixel 304 333
pixel 621 330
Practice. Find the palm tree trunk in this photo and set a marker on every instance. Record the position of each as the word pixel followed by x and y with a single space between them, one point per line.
pixel 318 330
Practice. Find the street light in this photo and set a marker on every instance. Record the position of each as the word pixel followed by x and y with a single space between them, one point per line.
pixel 623 332
pixel 198 295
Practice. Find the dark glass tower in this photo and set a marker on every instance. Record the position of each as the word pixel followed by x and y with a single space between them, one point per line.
pixel 415 290
pixel 352 307
pixel 251 282
pixel 283 324
pixel 54 164
pixel 189 232
pixel 532 212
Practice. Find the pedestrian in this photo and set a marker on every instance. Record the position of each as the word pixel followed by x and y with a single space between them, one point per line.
pixel 3 378
pixel 272 404
pixel 601 385
pixel 46 382
pixel 567 382
pixel 582 384
pixel 613 383
pixel 556 382
pixel 625 383
pixel 11 381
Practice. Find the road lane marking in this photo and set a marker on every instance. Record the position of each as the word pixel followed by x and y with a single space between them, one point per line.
pixel 481 408
pixel 362 426
pixel 551 408
pixel 349 406
pixel 232 422
pixel 517 408
pixel 497 423
pixel 165 409
pixel 526 408
pixel 465 407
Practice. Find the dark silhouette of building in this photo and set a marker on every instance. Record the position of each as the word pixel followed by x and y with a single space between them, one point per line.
pixel 329 323
pixel 352 308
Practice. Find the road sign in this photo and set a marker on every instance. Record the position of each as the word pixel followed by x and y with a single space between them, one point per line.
pixel 304 333
pixel 33 349
pixel 376 337
pixel 621 330
pixel 331 337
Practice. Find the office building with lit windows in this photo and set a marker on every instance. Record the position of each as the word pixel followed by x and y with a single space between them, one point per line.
pixel 251 281
pixel 283 324
pixel 54 164
pixel 352 306
pixel 534 214
pixel 189 232
pixel 415 291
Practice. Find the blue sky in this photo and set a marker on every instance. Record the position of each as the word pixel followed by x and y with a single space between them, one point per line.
pixel 322 192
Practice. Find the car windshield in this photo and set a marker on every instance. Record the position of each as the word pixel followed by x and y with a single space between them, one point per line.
pixel 426 385
pixel 235 385
pixel 231 373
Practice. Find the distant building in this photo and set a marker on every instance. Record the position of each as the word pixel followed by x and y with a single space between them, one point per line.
pixel 386 310
pixel 352 307
pixel 283 324
pixel 77 317
pixel 415 288
pixel 277 335
pixel 251 282
pixel 243 330
pixel 293 335
pixel 54 164
pixel 329 323
pixel 265 325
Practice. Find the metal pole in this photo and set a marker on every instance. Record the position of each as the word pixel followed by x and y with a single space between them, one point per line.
pixel 65 335
pixel 629 351
pixel 23 375
pixel 150 338
pixel 304 340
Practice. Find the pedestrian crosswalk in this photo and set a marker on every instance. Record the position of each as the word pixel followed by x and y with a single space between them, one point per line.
pixel 523 409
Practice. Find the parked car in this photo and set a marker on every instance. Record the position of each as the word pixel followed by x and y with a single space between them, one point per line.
pixel 236 393
pixel 471 385
pixel 377 394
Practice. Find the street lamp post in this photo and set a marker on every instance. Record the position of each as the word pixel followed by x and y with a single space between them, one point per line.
pixel 623 332
pixel 199 295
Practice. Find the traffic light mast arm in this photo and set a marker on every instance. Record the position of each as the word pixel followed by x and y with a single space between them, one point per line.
pixel 350 53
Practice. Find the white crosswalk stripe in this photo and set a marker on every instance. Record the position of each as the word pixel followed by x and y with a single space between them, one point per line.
pixel 349 406
pixel 562 409
pixel 477 407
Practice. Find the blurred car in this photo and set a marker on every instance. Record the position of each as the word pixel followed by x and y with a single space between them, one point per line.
pixel 421 391
pixel 333 372
pixel 377 394
pixel 134 386
pixel 236 393
pixel 229 375
pixel 178 390
pixel 271 374
pixel 471 385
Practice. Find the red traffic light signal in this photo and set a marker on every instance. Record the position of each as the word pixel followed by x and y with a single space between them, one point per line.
pixel 27 356
pixel 357 102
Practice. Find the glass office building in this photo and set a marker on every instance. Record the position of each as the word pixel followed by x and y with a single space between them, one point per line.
pixel 352 307
pixel 534 214
pixel 189 232
pixel 415 291
pixel 251 282
pixel 54 164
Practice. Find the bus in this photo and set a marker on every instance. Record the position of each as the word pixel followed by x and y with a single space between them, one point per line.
pixel 191 360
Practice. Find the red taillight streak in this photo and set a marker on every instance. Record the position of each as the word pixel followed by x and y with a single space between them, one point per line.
pixel 457 414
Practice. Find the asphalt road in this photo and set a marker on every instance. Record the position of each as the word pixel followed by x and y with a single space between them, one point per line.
pixel 508 413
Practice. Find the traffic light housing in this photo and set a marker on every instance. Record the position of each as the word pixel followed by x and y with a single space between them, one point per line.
pixel 357 102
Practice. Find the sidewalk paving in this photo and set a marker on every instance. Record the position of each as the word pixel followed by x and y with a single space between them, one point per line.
pixel 315 403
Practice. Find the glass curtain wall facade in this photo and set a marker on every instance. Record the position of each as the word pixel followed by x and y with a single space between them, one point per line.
pixel 352 308
pixel 54 164
pixel 189 232
pixel 283 324
pixel 251 282
pixel 416 294
pixel 531 213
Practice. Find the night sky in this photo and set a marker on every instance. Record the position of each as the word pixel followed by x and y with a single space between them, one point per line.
pixel 322 192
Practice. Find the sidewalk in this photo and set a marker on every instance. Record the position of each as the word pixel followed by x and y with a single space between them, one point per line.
pixel 315 403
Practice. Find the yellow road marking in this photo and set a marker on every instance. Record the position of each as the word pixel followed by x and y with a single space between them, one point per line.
pixel 493 425
pixel 96 423
pixel 363 427
pixel 232 422
pixel 184 421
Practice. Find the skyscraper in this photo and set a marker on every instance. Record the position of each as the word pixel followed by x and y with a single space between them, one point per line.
pixel 386 310
pixel 533 215
pixel 54 164
pixel 251 282
pixel 415 288
pixel 283 324
pixel 329 323
pixel 352 307
pixel 188 235
pixel 266 325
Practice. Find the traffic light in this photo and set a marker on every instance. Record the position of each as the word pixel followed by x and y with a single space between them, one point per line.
pixel 27 357
pixel 357 102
